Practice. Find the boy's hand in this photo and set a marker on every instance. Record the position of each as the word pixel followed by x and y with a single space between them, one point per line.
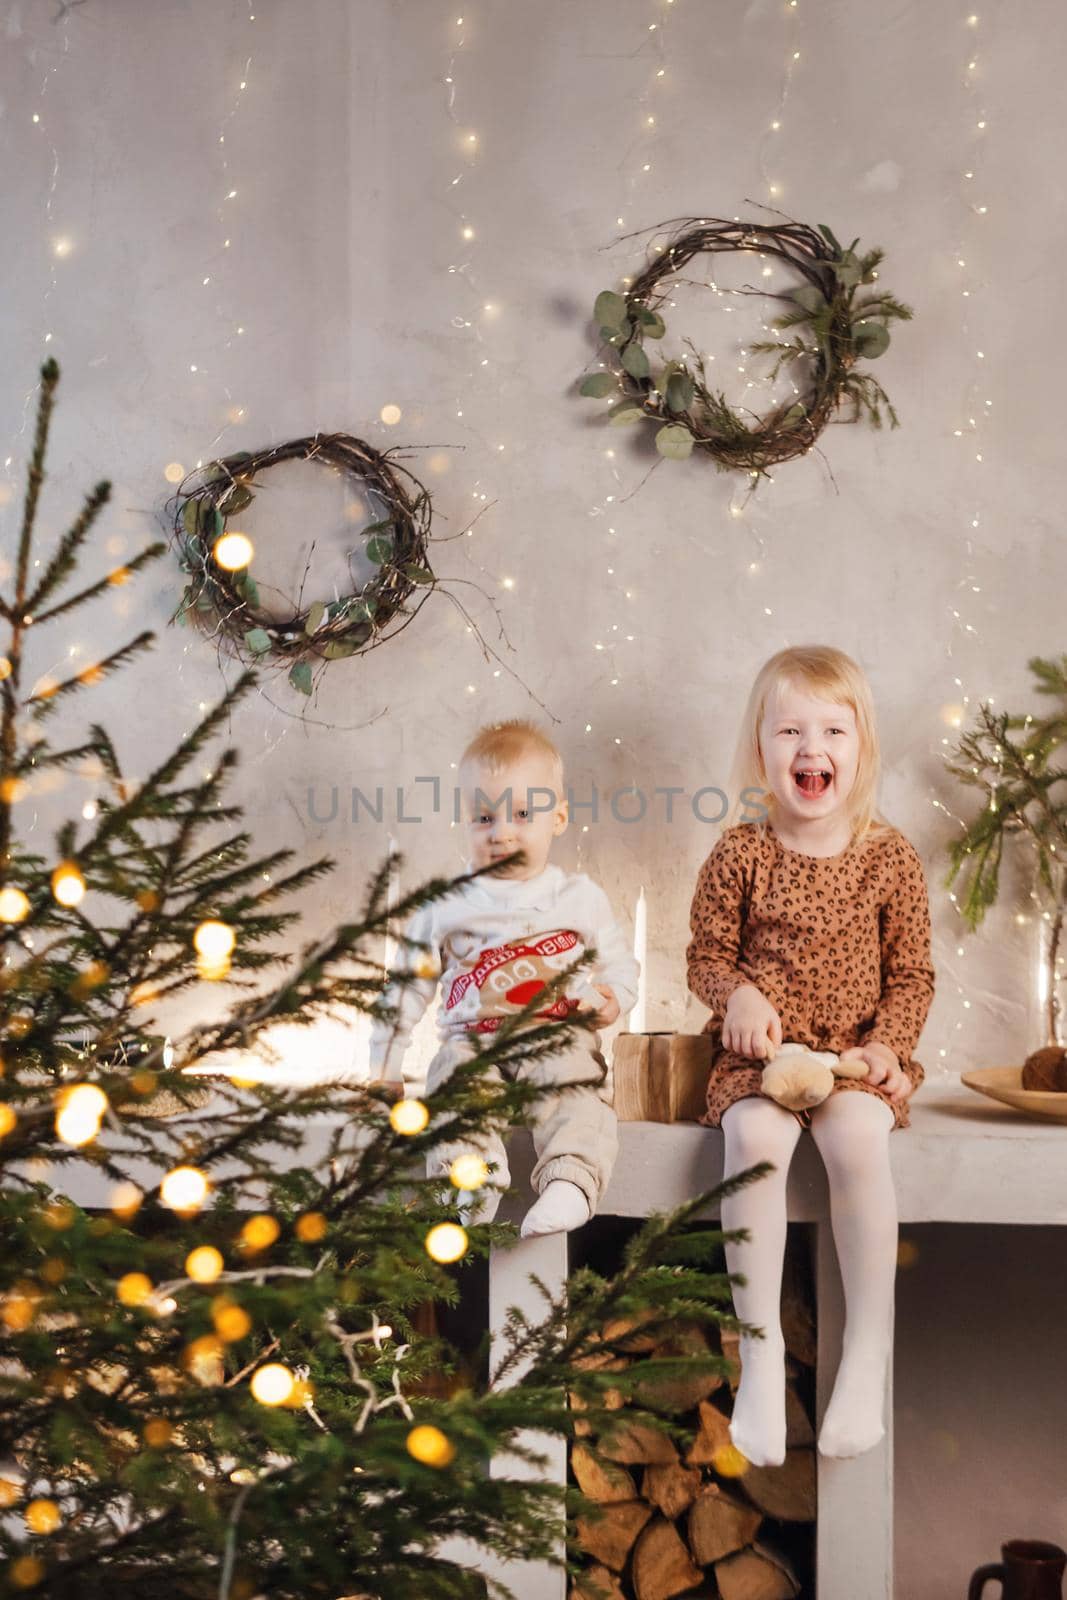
pixel 609 1011
pixel 751 1026
pixel 882 1067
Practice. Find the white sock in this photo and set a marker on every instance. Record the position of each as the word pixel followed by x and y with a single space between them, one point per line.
pixel 758 1130
pixel 562 1206
pixel 851 1131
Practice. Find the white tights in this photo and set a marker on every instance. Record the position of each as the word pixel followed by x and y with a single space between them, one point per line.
pixel 851 1131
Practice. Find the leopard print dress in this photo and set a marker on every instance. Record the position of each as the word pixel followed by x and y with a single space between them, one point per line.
pixel 839 945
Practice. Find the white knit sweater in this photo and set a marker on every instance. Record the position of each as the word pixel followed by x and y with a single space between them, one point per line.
pixel 490 945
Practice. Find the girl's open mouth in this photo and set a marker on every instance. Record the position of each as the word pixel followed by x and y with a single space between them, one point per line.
pixel 813 781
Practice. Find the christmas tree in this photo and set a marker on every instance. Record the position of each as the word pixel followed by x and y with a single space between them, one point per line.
pixel 212 1383
pixel 1014 760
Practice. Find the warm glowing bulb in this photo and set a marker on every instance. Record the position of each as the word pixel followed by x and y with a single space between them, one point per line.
pixel 214 941
pixel 8 1120
pixel 259 1233
pixel 42 1516
pixel 157 1432
pixel 61 247
pixel 273 1384
pixel 68 885
pixel 184 1189
pixel 232 1322
pixel 468 1172
pixel 174 472
pixel 409 1116
pixel 14 906
pixel 311 1227
pixel 430 1446
pixel 468 233
pixel 447 1242
pixel 27 1571
pixel 126 1200
pixel 80 1112
pixel 134 1288
pixel 233 551
pixel 204 1263
pixel 6 668
pixel 390 415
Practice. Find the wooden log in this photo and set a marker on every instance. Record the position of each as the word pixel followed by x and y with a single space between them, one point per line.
pixel 713 1436
pixel 601 1480
pixel 629 1333
pixel 673 1395
pixel 671 1489
pixel 610 1399
pixel 661 1077
pixel 757 1574
pixel 635 1443
pixel 798 1428
pixel 597 1584
pixel 730 1345
pixel 662 1565
pixel 609 1537
pixel 719 1525
pixel 786 1492
pixel 798 1306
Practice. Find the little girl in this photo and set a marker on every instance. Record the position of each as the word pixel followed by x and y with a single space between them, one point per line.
pixel 812 925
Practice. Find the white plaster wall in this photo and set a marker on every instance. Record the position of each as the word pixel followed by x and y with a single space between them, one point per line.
pixel 639 611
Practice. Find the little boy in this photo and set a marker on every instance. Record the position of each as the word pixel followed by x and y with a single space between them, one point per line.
pixel 493 945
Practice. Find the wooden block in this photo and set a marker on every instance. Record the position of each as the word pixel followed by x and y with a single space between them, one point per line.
pixel 597 1584
pixel 661 1077
pixel 786 1492
pixel 757 1574
pixel 671 1489
pixel 610 1536
pixel 603 1481
pixel 662 1564
pixel 714 1435
pixel 638 1443
pixel 719 1525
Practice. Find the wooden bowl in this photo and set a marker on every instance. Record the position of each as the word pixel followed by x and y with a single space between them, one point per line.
pixel 1005 1084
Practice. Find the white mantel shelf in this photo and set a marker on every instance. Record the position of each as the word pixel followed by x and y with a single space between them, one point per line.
pixel 965 1159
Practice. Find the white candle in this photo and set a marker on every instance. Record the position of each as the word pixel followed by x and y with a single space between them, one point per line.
pixel 638 1016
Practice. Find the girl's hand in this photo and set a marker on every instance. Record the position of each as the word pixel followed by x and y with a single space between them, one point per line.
pixel 882 1067
pixel 751 1026
pixel 609 1011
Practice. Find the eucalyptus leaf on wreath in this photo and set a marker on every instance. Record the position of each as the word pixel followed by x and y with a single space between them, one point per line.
pixel 839 314
pixel 300 676
pixel 225 603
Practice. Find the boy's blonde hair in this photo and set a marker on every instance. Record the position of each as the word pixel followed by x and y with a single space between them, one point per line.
pixel 825 674
pixel 500 744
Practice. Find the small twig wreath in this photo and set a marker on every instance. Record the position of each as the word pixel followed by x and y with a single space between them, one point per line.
pixel 227 603
pixel 838 320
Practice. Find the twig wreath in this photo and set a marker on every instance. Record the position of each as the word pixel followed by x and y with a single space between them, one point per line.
pixel 226 603
pixel 838 319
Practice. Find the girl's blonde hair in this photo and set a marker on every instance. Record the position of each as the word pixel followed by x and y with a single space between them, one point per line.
pixel 825 674
pixel 501 744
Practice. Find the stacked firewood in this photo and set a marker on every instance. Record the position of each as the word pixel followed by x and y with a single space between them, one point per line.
pixel 685 1521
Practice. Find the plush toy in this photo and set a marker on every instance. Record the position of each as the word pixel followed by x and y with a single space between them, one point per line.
pixel 799 1078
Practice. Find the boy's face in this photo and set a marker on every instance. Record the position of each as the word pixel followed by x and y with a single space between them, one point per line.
pixel 517 807
pixel 811 753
